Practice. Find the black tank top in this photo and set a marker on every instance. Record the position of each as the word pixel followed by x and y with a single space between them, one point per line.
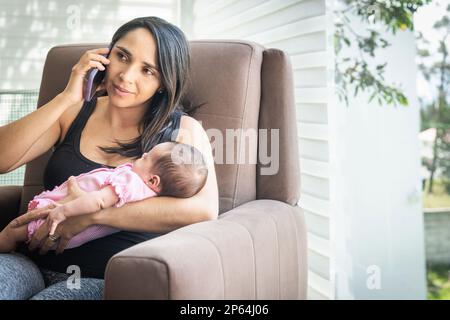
pixel 67 161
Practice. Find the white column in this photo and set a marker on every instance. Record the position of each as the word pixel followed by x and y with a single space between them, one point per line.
pixel 376 210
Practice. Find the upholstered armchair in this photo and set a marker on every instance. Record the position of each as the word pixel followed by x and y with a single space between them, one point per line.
pixel 256 249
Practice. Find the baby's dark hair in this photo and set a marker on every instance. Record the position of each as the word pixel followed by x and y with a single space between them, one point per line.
pixel 182 170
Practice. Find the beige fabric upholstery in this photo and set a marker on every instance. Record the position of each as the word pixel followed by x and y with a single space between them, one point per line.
pixel 9 203
pixel 255 251
pixel 227 77
pixel 257 247
pixel 278 112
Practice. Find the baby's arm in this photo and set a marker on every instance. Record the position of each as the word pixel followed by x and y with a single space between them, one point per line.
pixel 88 203
pixel 91 202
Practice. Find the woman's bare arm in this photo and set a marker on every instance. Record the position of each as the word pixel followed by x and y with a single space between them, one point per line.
pixel 27 138
pixel 157 214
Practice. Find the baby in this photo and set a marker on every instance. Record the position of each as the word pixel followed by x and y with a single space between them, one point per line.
pixel 169 169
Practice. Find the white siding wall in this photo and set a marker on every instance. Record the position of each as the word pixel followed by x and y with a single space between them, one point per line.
pixel 29 28
pixel 302 29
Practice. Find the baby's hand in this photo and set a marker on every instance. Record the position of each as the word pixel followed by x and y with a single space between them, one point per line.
pixel 55 217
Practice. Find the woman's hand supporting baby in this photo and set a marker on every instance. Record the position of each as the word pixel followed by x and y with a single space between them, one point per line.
pixel 66 230
pixel 88 203
pixel 55 217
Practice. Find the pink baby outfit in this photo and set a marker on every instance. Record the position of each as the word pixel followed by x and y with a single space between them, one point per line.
pixel 127 184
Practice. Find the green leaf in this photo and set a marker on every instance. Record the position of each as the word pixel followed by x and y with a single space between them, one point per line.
pixel 393 15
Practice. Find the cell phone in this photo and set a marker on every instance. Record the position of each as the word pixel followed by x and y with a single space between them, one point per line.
pixel 93 79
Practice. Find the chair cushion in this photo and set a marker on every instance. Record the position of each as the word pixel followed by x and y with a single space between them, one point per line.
pixel 226 76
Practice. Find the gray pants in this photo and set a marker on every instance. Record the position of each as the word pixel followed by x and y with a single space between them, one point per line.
pixel 21 279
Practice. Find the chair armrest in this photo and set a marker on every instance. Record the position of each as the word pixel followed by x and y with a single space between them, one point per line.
pixel 255 251
pixel 9 203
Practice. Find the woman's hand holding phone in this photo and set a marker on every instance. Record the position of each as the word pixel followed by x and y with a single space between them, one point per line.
pixel 90 59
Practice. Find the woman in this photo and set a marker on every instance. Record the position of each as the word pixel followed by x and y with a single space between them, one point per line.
pixel 146 77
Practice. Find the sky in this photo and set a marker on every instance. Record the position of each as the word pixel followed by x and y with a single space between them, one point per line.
pixel 424 20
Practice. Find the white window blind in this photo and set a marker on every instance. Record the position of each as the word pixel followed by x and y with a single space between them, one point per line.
pixel 28 29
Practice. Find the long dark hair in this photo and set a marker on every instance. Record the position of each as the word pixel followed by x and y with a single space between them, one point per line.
pixel 173 60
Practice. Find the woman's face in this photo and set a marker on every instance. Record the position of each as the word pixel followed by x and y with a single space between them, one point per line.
pixel 133 68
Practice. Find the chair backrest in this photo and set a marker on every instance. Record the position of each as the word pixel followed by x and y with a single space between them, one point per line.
pixel 247 94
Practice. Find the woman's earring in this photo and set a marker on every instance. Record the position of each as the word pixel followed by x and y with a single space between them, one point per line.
pixel 160 91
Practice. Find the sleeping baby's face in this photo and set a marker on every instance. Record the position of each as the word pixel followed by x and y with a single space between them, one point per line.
pixel 144 165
